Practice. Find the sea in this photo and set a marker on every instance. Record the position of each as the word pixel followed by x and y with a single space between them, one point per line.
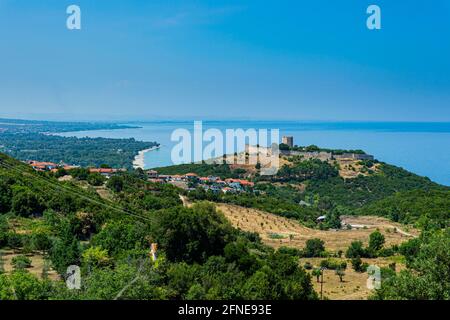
pixel 422 148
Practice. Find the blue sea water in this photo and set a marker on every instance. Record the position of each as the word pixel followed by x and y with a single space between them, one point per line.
pixel 422 148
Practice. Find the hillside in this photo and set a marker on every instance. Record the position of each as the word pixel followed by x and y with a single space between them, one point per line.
pixel 47 225
pixel 424 206
pixel 252 246
pixel 277 231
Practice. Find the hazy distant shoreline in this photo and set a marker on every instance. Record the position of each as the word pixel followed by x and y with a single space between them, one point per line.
pixel 415 147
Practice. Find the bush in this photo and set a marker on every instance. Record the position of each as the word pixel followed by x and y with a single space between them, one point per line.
pixel 290 251
pixel 14 240
pixel 333 264
pixel 357 264
pixel 386 252
pixel 308 266
pixel 21 262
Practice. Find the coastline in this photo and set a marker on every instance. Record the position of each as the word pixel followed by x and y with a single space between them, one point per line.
pixel 139 160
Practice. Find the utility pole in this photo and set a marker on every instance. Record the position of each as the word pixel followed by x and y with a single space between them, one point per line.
pixel 321 282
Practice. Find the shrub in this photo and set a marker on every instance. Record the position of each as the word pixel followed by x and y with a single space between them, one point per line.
pixel 96 257
pixel 21 262
pixel 357 264
pixel 333 264
pixel 290 251
pixel 308 265
pixel 386 252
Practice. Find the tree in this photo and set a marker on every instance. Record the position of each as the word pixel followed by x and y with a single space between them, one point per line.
pixel 96 179
pixel 193 234
pixel 317 273
pixel 257 287
pixel 115 183
pixel 22 285
pixel 5 194
pixel 355 250
pixel 4 227
pixel 428 275
pixel 119 235
pixel 61 172
pixel 14 240
pixel 2 265
pixel 314 248
pixel 41 241
pixel 65 252
pixel 26 203
pixel 238 253
pixel 340 273
pixel 196 292
pixel 410 249
pixel 376 241
pixel 79 173
pixel 357 264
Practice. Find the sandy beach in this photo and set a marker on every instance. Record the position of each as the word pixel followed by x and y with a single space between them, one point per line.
pixel 139 160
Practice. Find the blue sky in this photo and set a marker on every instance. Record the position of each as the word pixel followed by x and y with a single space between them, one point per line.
pixel 306 60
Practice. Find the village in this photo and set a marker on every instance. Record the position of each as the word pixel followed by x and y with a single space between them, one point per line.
pixel 191 181
pixel 188 181
pixel 54 167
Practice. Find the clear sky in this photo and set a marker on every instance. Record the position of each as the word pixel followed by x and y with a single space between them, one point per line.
pixel 306 60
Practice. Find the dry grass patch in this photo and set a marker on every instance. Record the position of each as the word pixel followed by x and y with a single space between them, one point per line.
pixel 37 264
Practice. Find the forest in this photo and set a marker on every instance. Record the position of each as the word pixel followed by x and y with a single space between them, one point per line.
pixel 35 140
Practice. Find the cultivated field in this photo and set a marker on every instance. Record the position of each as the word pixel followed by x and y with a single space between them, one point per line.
pixel 277 231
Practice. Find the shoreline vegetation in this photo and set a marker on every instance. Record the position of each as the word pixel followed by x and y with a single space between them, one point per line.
pixel 139 160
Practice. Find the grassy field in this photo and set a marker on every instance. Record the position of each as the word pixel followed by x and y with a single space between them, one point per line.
pixel 354 284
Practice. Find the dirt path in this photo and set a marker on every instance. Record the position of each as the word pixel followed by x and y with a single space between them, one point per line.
pixel 361 222
pixel 185 201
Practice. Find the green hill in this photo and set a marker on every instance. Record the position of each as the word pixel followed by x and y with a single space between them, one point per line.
pixel 427 206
